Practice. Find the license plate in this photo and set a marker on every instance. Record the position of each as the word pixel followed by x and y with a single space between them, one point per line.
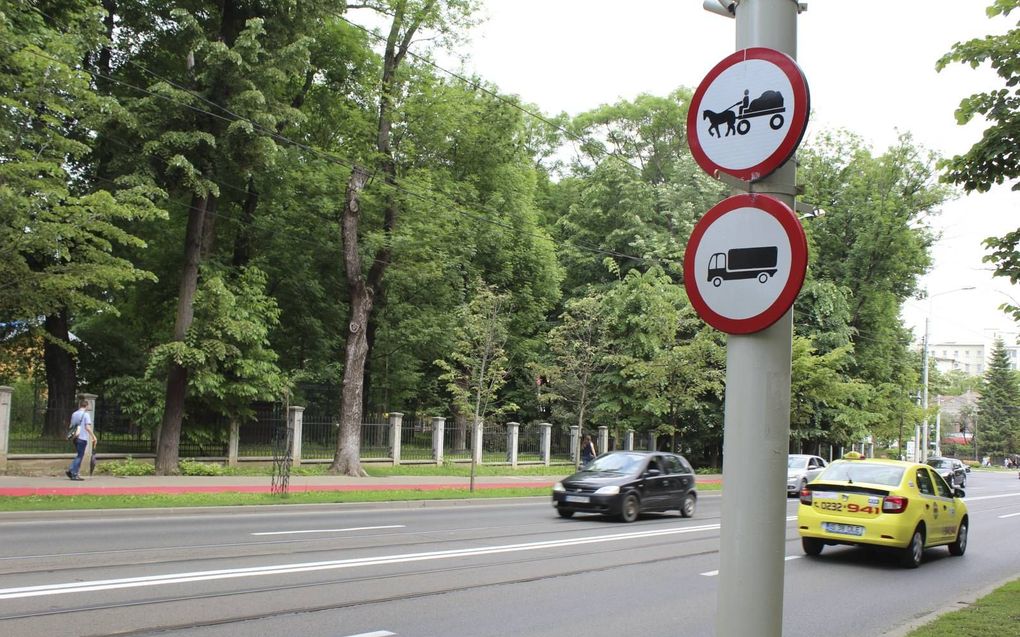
pixel 577 498
pixel 843 529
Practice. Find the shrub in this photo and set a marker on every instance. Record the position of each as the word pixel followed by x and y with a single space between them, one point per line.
pixel 126 467
pixel 189 467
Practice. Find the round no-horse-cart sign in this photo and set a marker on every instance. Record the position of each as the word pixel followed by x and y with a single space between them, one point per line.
pixel 745 263
pixel 749 114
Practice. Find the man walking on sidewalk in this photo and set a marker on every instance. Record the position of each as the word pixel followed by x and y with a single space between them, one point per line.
pixel 81 423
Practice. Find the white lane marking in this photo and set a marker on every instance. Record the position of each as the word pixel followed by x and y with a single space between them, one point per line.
pixel 990 497
pixel 785 559
pixel 1009 515
pixel 377 633
pixel 304 567
pixel 353 528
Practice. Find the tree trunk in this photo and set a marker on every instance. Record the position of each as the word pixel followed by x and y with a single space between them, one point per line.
pixel 460 426
pixel 363 289
pixel 61 376
pixel 168 449
pixel 244 243
pixel 347 457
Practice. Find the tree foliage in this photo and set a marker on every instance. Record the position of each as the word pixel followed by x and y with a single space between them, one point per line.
pixel 998 423
pixel 992 159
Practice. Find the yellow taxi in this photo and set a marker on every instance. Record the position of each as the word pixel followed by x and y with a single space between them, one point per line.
pixel 904 506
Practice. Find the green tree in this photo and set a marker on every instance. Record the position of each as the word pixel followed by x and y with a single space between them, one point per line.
pixel 60 228
pixel 208 86
pixel 870 243
pixel 476 369
pixel 579 351
pixel 365 285
pixel 999 407
pixel 637 191
pixel 992 159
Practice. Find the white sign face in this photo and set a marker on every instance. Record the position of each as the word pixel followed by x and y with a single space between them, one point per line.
pixel 749 114
pixel 745 263
pixel 739 263
pixel 735 134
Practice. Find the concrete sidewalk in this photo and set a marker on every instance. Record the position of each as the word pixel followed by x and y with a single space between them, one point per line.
pixel 101 484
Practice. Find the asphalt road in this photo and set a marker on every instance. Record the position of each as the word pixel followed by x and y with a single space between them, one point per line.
pixel 504 568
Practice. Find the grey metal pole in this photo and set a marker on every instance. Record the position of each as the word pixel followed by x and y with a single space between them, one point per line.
pixel 924 396
pixel 757 412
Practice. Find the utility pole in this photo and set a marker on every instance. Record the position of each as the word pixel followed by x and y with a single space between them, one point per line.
pixel 757 406
pixel 924 396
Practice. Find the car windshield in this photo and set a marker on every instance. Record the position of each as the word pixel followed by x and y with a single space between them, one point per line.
pixel 617 463
pixel 863 472
pixel 796 462
pixel 940 463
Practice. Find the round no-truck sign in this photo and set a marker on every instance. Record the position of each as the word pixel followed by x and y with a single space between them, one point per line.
pixel 749 114
pixel 745 263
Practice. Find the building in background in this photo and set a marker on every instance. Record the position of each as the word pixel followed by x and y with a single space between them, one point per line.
pixel 971 357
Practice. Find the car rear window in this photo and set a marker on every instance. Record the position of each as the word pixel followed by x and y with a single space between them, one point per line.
pixel 862 472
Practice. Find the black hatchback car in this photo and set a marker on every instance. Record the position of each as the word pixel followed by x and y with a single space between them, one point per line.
pixel 952 470
pixel 626 483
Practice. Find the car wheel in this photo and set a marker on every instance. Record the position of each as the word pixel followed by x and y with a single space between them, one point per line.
pixel 565 513
pixel 959 545
pixel 688 505
pixel 812 545
pixel 911 556
pixel 630 509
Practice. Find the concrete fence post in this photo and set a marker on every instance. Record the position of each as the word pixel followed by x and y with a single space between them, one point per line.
pixel 295 422
pixel 513 430
pixel 603 444
pixel 628 440
pixel 6 394
pixel 438 435
pixel 653 441
pixel 233 443
pixel 575 443
pixel 396 422
pixel 545 442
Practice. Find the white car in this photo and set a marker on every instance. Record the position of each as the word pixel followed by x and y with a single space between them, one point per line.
pixel 801 469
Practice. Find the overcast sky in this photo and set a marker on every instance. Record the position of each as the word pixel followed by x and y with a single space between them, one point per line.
pixel 870 66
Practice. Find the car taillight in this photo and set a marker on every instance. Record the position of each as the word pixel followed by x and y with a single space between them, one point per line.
pixel 805 496
pixel 894 504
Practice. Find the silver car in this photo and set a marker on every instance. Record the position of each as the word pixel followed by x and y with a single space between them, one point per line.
pixel 801 469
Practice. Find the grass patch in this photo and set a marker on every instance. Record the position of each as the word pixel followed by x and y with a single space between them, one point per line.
pixel 995 614
pixel 82 502
pixel 463 470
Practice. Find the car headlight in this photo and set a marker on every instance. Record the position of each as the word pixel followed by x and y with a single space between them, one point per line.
pixel 608 491
pixel 558 488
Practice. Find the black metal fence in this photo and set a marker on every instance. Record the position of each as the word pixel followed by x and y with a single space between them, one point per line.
pixel 119 433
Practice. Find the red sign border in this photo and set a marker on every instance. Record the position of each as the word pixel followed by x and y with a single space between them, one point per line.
pixel 798 123
pixel 798 263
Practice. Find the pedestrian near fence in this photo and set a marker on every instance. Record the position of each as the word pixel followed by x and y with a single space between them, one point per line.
pixel 81 427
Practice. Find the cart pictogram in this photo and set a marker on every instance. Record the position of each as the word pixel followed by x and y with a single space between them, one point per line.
pixel 769 103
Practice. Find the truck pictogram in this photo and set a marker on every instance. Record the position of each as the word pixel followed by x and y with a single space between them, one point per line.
pixel 743 263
